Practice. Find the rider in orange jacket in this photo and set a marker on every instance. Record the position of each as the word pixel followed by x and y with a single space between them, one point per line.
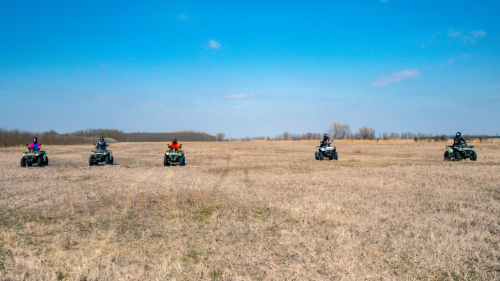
pixel 175 144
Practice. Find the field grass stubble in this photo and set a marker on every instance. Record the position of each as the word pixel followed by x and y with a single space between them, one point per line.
pixel 252 210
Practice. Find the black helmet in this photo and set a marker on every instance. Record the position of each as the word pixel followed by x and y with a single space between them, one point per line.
pixel 35 140
pixel 101 139
pixel 325 136
pixel 174 139
pixel 459 134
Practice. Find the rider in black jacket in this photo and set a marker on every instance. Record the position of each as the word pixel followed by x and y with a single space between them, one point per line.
pixel 325 141
pixel 101 144
pixel 458 140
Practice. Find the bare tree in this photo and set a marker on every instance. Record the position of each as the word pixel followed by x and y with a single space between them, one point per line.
pixel 394 135
pixel 346 131
pixel 286 135
pixel 220 136
pixel 367 133
pixel 339 131
pixel 385 136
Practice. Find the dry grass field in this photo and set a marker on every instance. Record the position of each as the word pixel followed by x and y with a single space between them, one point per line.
pixel 252 211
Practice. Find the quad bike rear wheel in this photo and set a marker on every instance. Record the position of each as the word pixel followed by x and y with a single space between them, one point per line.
pixel 316 156
pixel 446 156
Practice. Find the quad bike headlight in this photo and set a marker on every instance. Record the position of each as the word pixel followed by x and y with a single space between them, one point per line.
pixel 24 154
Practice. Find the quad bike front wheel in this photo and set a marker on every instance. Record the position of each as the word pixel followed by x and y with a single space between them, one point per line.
pixel 91 161
pixel 182 161
pixel 39 161
pixel 473 156
pixel 336 156
pixel 320 156
pixel 165 161
pixel 107 160
pixel 456 155
pixel 23 162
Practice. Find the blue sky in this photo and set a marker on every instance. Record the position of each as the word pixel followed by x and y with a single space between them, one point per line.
pixel 251 68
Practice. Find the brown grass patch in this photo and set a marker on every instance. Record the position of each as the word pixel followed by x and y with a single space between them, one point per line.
pixel 250 211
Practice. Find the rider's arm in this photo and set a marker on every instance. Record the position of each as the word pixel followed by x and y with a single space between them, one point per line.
pixel 30 146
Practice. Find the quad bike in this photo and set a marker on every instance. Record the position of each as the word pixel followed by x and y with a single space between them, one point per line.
pixel 174 156
pixel 325 150
pixel 461 151
pixel 101 154
pixel 34 157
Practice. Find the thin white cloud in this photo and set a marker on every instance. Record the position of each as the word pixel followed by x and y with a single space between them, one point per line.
pixel 159 114
pixel 447 63
pixel 213 44
pixel 152 104
pixel 383 1
pixel 396 77
pixel 471 37
pixel 477 33
pixel 240 96
pixel 182 16
pixel 238 108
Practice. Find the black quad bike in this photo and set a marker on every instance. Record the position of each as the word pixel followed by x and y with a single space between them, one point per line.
pixel 326 151
pixel 101 154
pixel 36 157
pixel 461 151
pixel 174 156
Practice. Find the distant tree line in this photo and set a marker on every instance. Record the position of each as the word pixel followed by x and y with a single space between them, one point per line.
pixel 15 137
pixel 161 137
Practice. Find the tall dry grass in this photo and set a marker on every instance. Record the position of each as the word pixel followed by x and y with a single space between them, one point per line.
pixel 250 211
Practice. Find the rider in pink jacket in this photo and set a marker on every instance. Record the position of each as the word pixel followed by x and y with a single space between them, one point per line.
pixel 35 144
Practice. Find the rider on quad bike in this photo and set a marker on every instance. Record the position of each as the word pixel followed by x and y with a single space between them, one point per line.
pixel 458 140
pixel 101 144
pixel 325 141
pixel 175 144
pixel 35 145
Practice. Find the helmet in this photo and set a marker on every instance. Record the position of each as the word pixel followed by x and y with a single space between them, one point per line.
pixel 35 140
pixel 101 139
pixel 459 134
pixel 174 139
pixel 325 136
